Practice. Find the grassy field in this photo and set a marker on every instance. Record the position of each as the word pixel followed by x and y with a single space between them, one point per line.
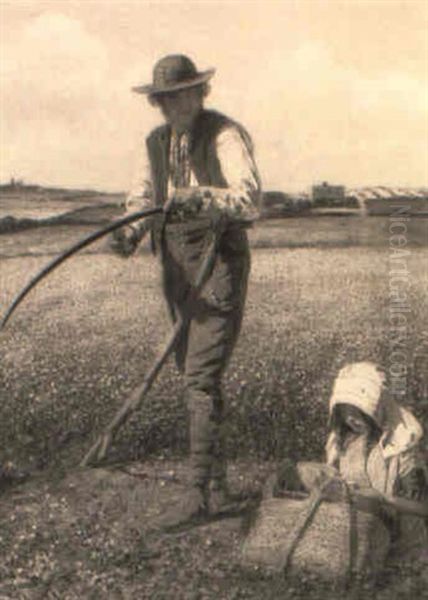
pixel 318 298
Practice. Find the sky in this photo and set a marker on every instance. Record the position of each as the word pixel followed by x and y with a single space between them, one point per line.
pixel 329 90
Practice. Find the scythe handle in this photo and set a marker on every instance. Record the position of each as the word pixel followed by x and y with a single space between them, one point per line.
pixel 134 401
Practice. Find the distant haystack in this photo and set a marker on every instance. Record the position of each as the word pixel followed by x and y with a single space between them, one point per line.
pixel 382 200
pixel 373 200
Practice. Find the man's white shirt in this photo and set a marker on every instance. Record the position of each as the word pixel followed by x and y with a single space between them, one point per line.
pixel 242 195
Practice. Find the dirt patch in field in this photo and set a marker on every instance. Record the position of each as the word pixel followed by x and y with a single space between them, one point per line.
pixel 93 534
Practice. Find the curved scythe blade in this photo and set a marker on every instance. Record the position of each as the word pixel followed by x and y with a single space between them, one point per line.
pixel 72 250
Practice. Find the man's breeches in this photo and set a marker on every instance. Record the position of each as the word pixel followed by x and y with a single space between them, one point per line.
pixel 210 342
pixel 212 328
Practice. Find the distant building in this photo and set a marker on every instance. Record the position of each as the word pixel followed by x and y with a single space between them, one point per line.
pixel 328 195
pixel 13 184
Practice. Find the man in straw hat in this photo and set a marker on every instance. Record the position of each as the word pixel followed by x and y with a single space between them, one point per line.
pixel 201 164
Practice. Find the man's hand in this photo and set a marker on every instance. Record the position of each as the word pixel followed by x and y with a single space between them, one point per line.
pixel 189 203
pixel 193 203
pixel 124 241
pixel 218 204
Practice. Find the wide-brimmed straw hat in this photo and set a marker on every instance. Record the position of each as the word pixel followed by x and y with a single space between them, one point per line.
pixel 172 73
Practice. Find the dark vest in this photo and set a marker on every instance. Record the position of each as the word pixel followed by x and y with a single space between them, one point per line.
pixel 204 163
pixel 203 155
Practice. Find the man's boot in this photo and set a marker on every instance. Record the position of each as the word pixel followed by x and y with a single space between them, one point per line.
pixel 193 505
pixel 219 498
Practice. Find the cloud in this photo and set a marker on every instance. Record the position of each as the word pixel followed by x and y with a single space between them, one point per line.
pixel 320 117
pixel 315 108
pixel 391 88
pixel 53 59
pixel 58 99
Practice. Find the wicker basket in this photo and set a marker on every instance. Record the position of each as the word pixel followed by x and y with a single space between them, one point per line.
pixel 338 540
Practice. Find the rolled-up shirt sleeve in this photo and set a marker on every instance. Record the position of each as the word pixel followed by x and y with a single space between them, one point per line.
pixel 241 199
pixel 140 195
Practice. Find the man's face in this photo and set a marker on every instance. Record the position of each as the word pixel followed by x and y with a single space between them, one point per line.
pixel 181 108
